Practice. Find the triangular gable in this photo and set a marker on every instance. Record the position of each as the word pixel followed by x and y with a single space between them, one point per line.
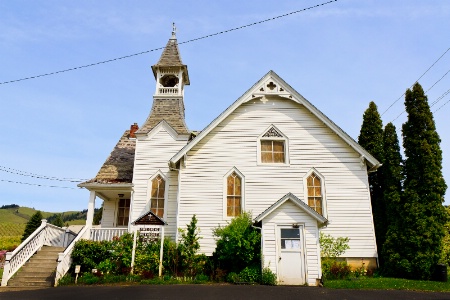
pixel 268 86
pixel 149 218
pixel 162 125
pixel 302 205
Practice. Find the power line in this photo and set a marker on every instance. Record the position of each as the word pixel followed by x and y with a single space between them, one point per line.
pixel 160 48
pixel 40 185
pixel 446 93
pixel 417 81
pixel 28 174
pixel 432 104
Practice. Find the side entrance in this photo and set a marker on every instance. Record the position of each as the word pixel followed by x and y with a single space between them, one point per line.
pixel 291 256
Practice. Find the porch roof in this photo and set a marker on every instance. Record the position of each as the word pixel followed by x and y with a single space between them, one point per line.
pixel 302 205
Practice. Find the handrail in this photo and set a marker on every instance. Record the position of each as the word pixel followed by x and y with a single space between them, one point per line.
pixel 106 234
pixel 16 259
pixel 65 258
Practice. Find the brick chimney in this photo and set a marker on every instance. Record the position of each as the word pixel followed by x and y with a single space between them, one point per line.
pixel 133 129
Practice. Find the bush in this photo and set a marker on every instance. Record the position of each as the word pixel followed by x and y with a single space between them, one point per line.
pixel 238 245
pixel 268 277
pixel 250 275
pixel 89 254
pixel 332 269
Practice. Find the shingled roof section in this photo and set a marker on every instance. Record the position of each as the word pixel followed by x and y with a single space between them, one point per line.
pixel 171 58
pixel 170 110
pixel 118 167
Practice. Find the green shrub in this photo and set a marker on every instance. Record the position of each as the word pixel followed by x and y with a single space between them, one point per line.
pixel 333 269
pixel 89 254
pixel 250 275
pixel 232 277
pixel 88 278
pixel 268 277
pixel 238 244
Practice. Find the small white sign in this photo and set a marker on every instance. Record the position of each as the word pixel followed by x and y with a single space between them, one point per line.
pixel 77 269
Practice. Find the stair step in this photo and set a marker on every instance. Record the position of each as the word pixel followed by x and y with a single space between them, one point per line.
pixel 30 283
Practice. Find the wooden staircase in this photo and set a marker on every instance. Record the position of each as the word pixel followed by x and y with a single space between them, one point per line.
pixel 39 271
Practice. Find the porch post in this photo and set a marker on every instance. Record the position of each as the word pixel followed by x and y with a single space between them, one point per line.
pixel 91 208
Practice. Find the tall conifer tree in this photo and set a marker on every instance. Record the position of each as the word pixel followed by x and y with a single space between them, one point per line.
pixel 32 224
pixel 371 139
pixel 392 188
pixel 423 216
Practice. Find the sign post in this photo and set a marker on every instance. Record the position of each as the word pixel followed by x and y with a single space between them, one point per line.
pixel 151 229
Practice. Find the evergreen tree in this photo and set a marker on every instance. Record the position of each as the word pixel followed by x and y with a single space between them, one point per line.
pixel 32 225
pixel 371 139
pixel 58 221
pixel 392 188
pixel 419 241
pixel 98 216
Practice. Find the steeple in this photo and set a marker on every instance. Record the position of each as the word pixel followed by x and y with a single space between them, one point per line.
pixel 171 76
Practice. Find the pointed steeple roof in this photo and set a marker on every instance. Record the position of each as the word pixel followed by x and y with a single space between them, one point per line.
pixel 171 58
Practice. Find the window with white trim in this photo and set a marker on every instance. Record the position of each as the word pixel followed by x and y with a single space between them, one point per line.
pixel 157 197
pixel 272 147
pixel 233 193
pixel 123 212
pixel 315 195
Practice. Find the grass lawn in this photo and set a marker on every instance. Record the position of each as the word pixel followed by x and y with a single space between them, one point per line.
pixel 388 284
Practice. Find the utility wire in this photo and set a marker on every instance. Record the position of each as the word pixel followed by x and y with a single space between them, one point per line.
pixel 28 174
pixel 160 48
pixel 432 104
pixel 417 81
pixel 41 185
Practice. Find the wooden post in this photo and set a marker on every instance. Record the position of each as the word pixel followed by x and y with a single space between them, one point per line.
pixel 161 250
pixel 133 252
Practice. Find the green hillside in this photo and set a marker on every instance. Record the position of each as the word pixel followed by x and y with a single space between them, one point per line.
pixel 13 220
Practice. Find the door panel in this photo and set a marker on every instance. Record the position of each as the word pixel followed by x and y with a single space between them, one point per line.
pixel 291 259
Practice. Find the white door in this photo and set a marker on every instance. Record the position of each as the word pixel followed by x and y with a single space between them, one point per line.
pixel 291 261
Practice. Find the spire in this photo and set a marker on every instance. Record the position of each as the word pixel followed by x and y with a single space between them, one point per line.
pixel 171 57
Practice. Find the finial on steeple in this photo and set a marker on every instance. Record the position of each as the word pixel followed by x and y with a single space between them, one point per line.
pixel 174 31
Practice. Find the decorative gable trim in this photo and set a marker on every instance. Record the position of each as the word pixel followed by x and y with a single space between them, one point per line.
pixel 286 91
pixel 162 125
pixel 149 218
pixel 302 205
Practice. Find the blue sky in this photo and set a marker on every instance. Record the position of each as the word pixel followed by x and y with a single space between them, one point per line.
pixel 339 56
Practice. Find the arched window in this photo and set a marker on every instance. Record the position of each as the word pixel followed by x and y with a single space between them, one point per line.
pixel 234 195
pixel 157 196
pixel 315 197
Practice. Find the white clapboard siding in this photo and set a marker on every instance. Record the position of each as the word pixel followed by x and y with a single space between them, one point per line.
pixel 233 143
pixel 109 214
pixel 152 155
pixel 286 214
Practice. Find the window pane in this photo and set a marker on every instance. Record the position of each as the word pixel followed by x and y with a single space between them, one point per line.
pixel 266 146
pixel 290 233
pixel 160 203
pixel 266 157
pixel 278 157
pixel 310 181
pixel 278 146
pixel 317 191
pixel 310 191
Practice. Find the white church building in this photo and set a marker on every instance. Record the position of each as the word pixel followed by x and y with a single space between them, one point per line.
pixel 271 153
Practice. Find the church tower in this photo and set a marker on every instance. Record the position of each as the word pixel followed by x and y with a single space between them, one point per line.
pixel 168 101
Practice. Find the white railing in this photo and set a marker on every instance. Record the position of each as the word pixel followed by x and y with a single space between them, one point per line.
pixel 168 91
pixel 65 258
pixel 106 234
pixel 44 235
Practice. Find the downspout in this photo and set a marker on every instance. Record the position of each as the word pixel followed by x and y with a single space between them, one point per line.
pixel 262 257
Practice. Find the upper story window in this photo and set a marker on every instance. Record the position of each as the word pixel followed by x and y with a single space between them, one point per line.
pixel 123 212
pixel 157 197
pixel 234 195
pixel 314 187
pixel 272 147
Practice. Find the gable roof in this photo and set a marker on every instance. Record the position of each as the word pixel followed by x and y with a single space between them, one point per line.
pixel 302 205
pixel 273 85
pixel 149 218
pixel 118 167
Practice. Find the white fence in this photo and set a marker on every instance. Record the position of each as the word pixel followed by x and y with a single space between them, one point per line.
pixel 45 235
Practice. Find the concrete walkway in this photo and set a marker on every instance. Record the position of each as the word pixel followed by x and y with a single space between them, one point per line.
pixel 219 292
